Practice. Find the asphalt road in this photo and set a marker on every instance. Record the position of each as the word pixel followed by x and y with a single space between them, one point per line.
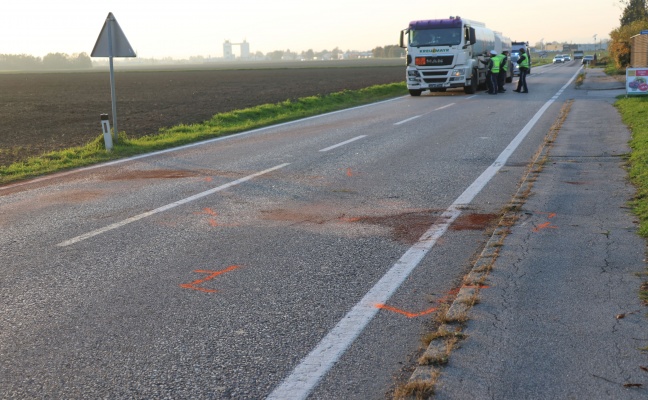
pixel 302 260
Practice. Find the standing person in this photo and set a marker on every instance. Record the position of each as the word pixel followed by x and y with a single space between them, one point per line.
pixel 501 77
pixel 493 72
pixel 523 62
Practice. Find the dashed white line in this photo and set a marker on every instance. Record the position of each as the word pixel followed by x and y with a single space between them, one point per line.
pixel 407 120
pixel 343 143
pixel 419 116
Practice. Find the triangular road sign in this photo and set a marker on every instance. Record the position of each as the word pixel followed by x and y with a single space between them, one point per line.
pixel 111 33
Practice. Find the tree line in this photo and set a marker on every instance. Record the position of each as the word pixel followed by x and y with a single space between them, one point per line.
pixel 634 19
pixel 52 61
pixel 62 61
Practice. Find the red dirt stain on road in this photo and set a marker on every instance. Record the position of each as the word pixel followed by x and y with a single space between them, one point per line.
pixel 473 222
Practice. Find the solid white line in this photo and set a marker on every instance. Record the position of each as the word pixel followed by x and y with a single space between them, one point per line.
pixel 320 360
pixel 343 143
pixel 165 208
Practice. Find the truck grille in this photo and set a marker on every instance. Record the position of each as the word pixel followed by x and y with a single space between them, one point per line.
pixel 434 76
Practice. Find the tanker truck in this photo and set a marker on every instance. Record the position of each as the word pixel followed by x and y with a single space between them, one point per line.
pixel 449 53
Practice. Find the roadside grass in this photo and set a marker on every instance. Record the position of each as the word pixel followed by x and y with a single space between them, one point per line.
pixel 633 111
pixel 219 125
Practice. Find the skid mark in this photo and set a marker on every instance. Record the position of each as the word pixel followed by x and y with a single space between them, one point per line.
pixel 211 275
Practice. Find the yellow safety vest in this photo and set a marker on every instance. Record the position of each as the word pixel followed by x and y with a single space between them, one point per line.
pixel 497 60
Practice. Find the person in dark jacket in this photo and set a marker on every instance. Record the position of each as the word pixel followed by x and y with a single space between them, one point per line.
pixel 524 64
pixel 501 78
pixel 493 68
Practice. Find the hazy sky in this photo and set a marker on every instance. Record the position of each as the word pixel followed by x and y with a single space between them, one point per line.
pixel 184 28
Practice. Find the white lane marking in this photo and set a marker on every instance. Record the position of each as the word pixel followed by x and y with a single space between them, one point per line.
pixel 127 221
pixel 343 143
pixel 407 120
pixel 446 106
pixel 320 360
pixel 419 116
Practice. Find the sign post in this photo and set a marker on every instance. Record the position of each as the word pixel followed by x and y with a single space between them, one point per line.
pixel 112 43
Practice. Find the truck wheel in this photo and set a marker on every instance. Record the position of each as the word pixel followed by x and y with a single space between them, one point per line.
pixel 415 92
pixel 472 89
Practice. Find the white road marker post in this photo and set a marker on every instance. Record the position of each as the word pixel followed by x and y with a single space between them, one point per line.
pixel 105 127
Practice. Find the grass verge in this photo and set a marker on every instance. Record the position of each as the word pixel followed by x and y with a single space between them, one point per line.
pixel 219 125
pixel 633 111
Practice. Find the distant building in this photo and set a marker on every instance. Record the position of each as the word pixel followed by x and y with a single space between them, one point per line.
pixel 229 55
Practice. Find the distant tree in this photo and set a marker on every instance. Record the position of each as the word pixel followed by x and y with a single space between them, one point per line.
pixel 19 62
pixel 337 53
pixel 320 54
pixel 389 51
pixel 393 51
pixel 635 10
pixel 276 55
pixel 308 54
pixel 55 61
pixel 81 61
pixel 619 46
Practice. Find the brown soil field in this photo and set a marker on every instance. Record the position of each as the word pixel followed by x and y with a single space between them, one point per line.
pixel 41 112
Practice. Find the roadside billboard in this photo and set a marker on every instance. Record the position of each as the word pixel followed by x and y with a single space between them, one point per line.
pixel 637 80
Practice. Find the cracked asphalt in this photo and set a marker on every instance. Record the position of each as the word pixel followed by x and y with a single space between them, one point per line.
pixel 561 317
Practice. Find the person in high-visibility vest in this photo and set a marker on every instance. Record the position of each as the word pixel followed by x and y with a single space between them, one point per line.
pixel 501 78
pixel 493 72
pixel 523 62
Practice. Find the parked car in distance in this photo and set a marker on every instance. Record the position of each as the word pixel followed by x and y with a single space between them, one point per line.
pixel 558 58
pixel 566 57
pixel 587 59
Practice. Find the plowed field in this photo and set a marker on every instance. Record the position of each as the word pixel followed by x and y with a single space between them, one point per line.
pixel 40 112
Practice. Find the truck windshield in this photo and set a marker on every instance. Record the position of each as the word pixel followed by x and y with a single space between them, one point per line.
pixel 435 37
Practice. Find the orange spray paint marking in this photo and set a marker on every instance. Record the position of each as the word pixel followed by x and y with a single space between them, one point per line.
pixel 209 211
pixel 349 173
pixel 545 225
pixel 445 299
pixel 212 274
pixel 405 313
